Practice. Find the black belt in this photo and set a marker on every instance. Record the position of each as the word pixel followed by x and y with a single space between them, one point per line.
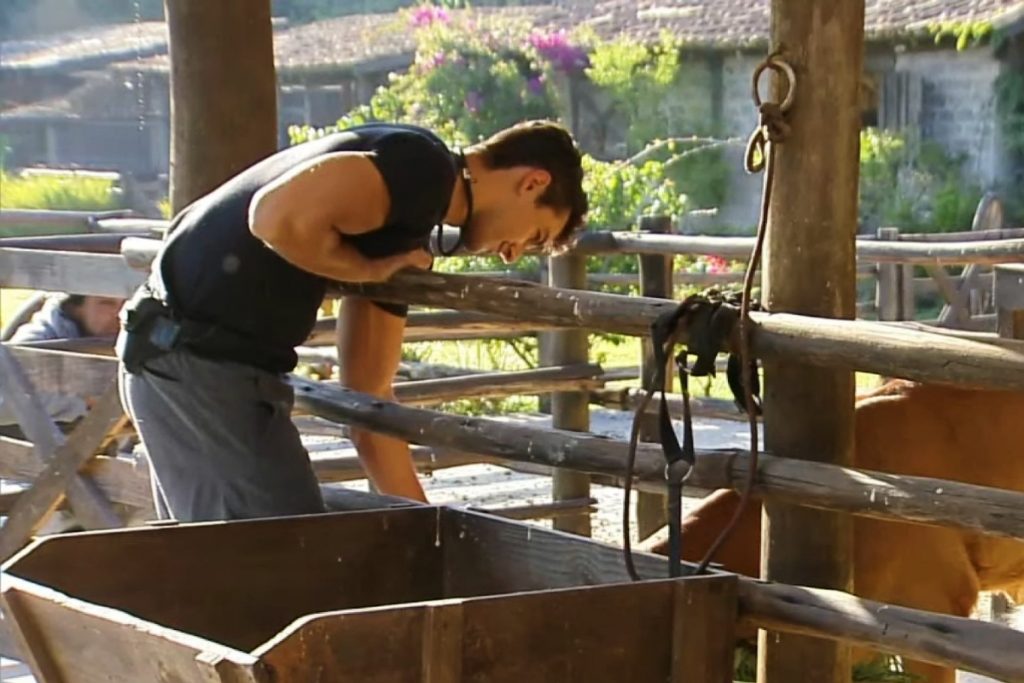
pixel 153 329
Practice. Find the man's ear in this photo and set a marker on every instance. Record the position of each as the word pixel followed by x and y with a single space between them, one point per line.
pixel 535 181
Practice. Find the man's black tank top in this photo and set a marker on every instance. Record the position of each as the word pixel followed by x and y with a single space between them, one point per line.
pixel 213 270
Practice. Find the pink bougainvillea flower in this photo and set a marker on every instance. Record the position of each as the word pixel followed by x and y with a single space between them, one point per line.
pixel 425 15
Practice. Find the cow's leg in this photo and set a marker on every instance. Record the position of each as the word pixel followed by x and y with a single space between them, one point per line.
pixel 702 525
pixel 926 568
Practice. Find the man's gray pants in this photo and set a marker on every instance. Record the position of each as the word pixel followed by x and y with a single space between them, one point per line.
pixel 220 440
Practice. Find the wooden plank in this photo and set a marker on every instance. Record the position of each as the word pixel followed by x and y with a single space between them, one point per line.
pixel 581 376
pixel 910 253
pixel 890 349
pixel 815 484
pixel 443 634
pixel 88 502
pixel 101 243
pixel 119 479
pixel 440 325
pixel 102 347
pixel 345 465
pixel 967 644
pixel 704 629
pixel 1009 300
pixel 7 501
pixel 75 273
pixel 887 287
pixel 810 258
pixel 371 644
pixel 944 282
pixel 75 374
pixel 219 570
pixel 965 236
pixel 43 218
pixel 543 510
pixel 50 486
pixel 629 399
pixel 560 636
pixel 570 410
pixel 32 644
pixel 531 558
pixel 685 278
pixel 957 312
pixel 89 643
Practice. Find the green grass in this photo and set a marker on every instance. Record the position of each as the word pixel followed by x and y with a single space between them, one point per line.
pixel 58 192
pixel 11 301
pixel 611 351
pixel 55 193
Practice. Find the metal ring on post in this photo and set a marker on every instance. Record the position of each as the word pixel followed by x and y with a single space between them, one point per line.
pixel 780 67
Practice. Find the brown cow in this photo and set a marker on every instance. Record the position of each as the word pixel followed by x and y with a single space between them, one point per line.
pixel 963 435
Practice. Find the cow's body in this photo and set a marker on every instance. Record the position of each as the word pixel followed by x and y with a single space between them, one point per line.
pixel 975 437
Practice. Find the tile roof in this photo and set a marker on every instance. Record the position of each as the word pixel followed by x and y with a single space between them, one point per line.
pixel 351 40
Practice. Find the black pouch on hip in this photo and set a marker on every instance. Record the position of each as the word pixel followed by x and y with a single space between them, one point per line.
pixel 150 331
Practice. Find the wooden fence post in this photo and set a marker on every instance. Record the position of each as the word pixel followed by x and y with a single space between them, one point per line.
pixel 810 268
pixel 224 101
pixel 570 410
pixel 544 340
pixel 888 299
pixel 987 216
pixel 655 281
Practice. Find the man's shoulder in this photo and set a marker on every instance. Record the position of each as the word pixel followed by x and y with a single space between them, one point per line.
pixel 382 129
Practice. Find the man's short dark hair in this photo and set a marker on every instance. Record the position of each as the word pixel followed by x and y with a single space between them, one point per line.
pixel 546 145
pixel 71 301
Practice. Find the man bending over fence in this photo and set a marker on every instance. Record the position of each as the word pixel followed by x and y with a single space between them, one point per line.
pixel 237 286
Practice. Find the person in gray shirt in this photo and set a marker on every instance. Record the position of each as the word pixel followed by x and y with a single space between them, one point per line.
pixel 63 316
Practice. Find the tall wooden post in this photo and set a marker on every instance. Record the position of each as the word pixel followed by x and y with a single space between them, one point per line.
pixel 655 281
pixel 810 268
pixel 223 92
pixel 570 410
pixel 1009 300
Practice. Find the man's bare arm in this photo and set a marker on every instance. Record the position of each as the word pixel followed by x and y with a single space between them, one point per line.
pixel 305 215
pixel 370 348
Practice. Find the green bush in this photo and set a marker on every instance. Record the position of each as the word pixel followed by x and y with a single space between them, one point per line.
pixel 65 192
pixel 915 186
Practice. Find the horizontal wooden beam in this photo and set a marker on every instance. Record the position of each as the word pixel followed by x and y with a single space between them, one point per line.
pixel 867 493
pixel 441 325
pixel 56 372
pixel 45 218
pixel 91 243
pixel 580 377
pixel 874 251
pixel 882 348
pixel 630 398
pixel 72 272
pixel 962 236
pixel 957 642
pixel 889 349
